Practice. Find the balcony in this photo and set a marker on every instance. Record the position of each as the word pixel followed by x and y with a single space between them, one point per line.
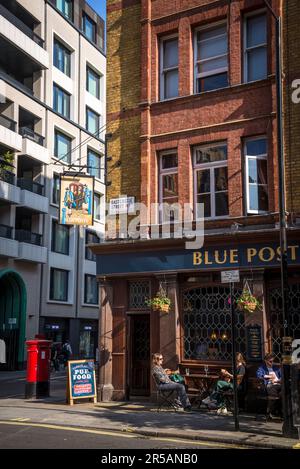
pixel 32 195
pixel 8 246
pixel 9 193
pixel 22 37
pixel 33 145
pixel 30 247
pixel 8 134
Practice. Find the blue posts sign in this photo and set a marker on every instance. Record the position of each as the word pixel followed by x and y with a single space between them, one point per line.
pixel 81 380
pixel 231 257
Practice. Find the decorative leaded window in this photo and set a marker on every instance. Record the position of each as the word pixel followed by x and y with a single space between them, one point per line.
pixel 139 292
pixel 207 324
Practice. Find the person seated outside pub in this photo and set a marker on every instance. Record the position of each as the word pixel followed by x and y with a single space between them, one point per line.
pixel 216 399
pixel 164 382
pixel 271 375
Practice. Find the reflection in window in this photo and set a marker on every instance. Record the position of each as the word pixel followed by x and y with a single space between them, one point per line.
pixel 256 175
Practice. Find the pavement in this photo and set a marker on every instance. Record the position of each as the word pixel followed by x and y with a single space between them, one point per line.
pixel 136 417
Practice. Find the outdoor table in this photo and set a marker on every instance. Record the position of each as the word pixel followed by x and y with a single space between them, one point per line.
pixel 201 383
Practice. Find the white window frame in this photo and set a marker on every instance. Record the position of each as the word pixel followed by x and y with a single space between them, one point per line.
pixel 263 156
pixel 164 70
pixel 212 72
pixel 211 167
pixel 165 172
pixel 246 49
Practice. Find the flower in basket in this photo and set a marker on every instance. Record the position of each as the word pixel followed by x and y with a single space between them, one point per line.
pixel 159 303
pixel 248 302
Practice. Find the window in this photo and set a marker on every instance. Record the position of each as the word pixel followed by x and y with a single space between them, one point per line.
pixel 59 284
pixel 62 147
pixel 255 53
pixel 97 206
pixel 168 184
pixel 211 58
pixel 211 180
pixel 55 189
pixel 94 164
pixel 169 68
pixel 90 238
pixel 256 175
pixel 62 58
pixel 93 82
pixel 60 238
pixel 91 290
pixel 61 101
pixel 92 121
pixel 89 27
pixel 66 7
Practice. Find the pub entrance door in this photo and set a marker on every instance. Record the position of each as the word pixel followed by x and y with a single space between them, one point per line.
pixel 139 360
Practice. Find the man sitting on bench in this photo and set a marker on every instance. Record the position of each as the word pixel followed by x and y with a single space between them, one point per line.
pixel 271 375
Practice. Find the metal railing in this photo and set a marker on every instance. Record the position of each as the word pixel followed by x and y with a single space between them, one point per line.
pixel 25 236
pixel 7 176
pixel 22 26
pixel 5 231
pixel 8 123
pixel 26 132
pixel 31 186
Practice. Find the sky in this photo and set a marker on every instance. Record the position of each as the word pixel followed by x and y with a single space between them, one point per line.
pixel 99 6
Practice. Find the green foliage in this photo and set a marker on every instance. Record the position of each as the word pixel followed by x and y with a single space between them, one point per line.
pixel 248 302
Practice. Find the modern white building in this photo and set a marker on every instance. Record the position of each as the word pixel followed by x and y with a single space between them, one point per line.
pixel 52 115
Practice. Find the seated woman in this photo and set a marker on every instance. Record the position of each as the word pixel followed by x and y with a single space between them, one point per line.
pixel 216 399
pixel 164 382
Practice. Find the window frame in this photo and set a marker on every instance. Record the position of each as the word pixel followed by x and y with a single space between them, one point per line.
pixel 88 109
pixel 90 257
pixel 66 300
pixel 97 194
pixel 211 166
pixel 64 11
pixel 98 77
pixel 66 228
pixel 66 51
pixel 215 72
pixel 69 154
pixel 85 290
pixel 55 177
pixel 86 17
pixel 263 156
pixel 162 173
pixel 162 70
pixel 100 156
pixel 66 112
pixel 252 14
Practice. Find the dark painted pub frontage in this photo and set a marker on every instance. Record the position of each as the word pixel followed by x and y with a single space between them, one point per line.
pixel 196 333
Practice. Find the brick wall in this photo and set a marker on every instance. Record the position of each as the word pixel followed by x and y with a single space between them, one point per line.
pixel 291 51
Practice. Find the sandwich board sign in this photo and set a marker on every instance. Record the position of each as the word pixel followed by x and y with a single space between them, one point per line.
pixel 81 380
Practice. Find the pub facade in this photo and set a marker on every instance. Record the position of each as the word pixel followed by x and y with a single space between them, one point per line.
pixel 191 108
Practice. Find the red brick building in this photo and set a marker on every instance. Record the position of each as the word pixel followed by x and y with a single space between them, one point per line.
pixel 192 109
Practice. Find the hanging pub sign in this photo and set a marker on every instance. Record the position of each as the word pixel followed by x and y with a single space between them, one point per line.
pixel 76 199
pixel 81 380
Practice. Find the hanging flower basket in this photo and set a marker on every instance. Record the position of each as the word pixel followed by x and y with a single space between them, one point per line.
pixel 160 302
pixel 248 302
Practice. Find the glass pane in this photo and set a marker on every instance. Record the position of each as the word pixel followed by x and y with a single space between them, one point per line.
pixel 169 161
pixel 212 65
pixel 97 200
pixel 212 32
pixel 221 204
pixel 94 164
pixel 213 82
pixel 204 199
pixel 253 194
pixel 89 28
pixel 170 58
pixel 256 30
pixel 263 198
pixel 203 181
pixel 211 154
pixel 212 47
pixel 93 83
pixel 63 146
pixel 257 64
pixel 170 185
pixel 55 193
pixel 221 179
pixel 92 121
pixel 171 84
pixel 256 147
pixel 91 291
pixel 59 285
pixel 258 171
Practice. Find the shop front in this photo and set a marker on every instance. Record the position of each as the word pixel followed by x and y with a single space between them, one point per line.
pixel 196 332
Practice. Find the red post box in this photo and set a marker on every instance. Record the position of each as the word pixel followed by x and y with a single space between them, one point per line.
pixel 38 368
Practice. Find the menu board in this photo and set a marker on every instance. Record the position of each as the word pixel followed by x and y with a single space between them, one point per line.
pixel 254 343
pixel 81 380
